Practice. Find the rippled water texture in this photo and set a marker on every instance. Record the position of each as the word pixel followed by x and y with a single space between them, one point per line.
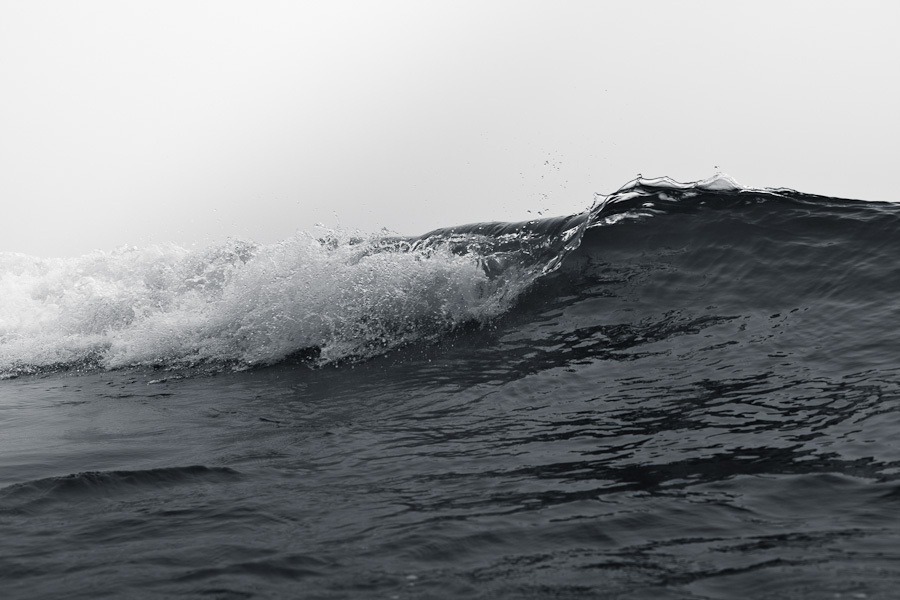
pixel 700 402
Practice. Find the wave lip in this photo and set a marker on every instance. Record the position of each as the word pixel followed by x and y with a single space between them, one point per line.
pixel 720 182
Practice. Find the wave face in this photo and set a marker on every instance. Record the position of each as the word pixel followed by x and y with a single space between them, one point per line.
pixel 338 297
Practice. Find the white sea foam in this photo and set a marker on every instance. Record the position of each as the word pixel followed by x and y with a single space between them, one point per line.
pixel 239 303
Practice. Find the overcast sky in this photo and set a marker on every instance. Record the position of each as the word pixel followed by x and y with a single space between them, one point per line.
pixel 189 121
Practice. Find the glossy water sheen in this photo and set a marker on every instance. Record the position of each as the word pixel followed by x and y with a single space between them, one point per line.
pixel 702 401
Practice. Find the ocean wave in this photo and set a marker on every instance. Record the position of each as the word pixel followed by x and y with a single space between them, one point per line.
pixel 331 297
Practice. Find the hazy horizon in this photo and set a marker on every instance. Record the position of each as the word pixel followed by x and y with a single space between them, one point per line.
pixel 189 122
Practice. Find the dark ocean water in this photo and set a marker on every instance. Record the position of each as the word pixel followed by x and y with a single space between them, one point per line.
pixel 688 391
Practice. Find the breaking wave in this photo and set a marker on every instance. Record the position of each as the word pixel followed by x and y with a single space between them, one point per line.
pixel 328 298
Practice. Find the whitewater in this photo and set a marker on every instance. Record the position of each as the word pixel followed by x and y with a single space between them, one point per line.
pixel 687 390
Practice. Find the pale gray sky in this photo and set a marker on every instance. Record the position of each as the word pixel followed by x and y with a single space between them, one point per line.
pixel 191 121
